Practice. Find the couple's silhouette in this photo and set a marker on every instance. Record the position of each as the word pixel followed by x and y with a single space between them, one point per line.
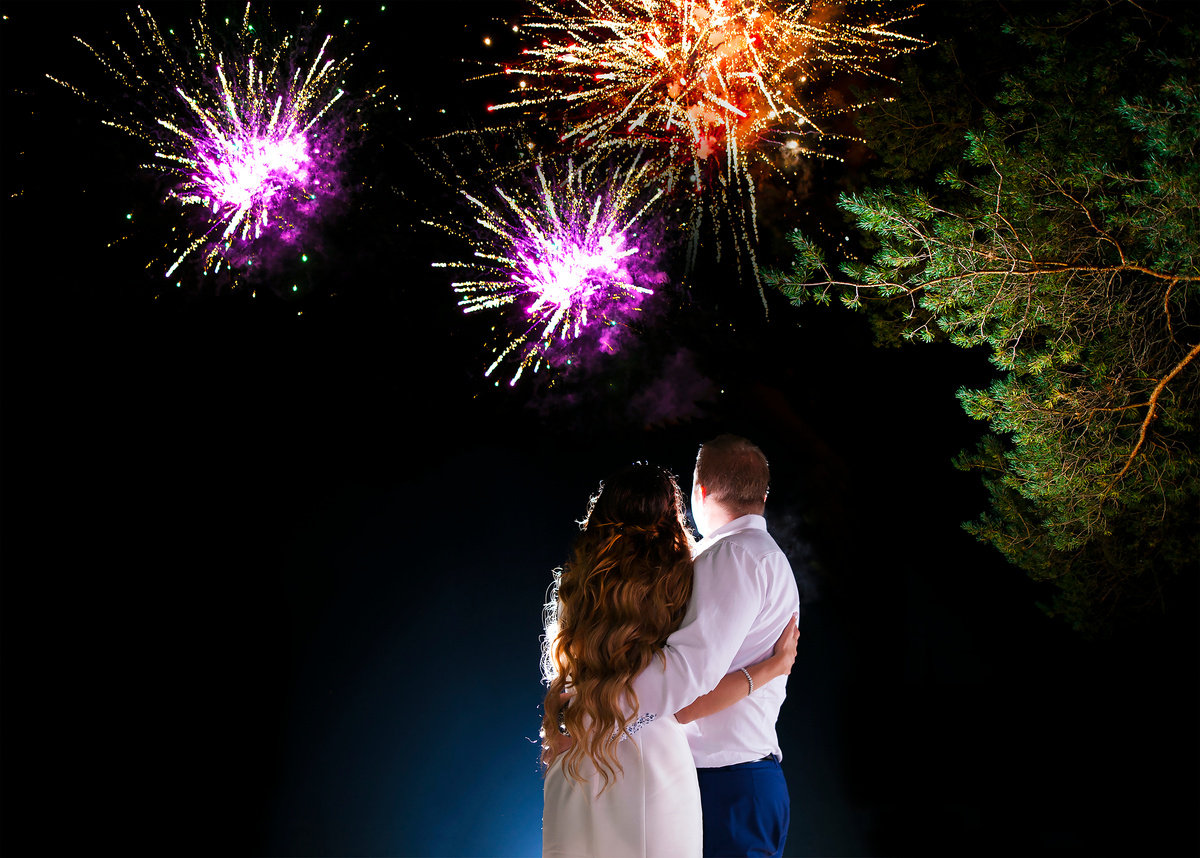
pixel 667 662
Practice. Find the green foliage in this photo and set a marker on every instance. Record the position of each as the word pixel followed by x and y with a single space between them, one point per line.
pixel 1067 241
pixel 794 284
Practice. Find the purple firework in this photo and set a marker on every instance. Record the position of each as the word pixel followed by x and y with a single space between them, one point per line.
pixel 248 137
pixel 571 254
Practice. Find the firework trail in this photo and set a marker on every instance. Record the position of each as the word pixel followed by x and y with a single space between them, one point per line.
pixel 700 85
pixel 566 256
pixel 245 128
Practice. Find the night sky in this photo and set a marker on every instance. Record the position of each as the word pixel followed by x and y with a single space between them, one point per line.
pixel 273 567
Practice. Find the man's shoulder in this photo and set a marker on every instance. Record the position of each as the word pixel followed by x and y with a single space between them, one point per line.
pixel 746 546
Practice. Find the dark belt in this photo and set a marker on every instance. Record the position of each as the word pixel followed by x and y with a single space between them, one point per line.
pixel 767 758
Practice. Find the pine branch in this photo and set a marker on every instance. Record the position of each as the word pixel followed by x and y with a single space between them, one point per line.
pixel 1152 412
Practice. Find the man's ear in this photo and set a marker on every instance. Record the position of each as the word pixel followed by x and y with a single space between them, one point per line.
pixel 703 493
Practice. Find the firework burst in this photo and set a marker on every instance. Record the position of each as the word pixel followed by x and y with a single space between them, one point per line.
pixel 701 85
pixel 566 257
pixel 244 126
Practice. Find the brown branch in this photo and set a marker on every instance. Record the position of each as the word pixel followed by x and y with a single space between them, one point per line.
pixel 1106 410
pixel 1151 412
pixel 1167 308
pixel 1062 269
pixel 1104 235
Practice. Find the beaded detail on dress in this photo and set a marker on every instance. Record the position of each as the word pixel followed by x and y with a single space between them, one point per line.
pixel 639 723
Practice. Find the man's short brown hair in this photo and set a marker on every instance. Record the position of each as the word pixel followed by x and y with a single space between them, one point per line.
pixel 734 473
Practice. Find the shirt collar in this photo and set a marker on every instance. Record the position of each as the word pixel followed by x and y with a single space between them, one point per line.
pixel 752 521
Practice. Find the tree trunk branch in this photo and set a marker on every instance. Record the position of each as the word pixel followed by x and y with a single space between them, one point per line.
pixel 1152 411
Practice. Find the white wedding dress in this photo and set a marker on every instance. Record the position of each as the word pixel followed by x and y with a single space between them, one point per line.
pixel 650 811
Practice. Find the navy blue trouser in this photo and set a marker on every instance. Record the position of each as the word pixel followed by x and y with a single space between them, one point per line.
pixel 746 809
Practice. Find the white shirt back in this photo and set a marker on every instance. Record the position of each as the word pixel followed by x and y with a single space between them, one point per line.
pixel 743 597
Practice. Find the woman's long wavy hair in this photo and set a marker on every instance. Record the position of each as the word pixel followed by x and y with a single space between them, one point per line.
pixel 612 606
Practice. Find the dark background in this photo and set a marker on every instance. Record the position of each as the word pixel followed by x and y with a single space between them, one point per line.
pixel 273 567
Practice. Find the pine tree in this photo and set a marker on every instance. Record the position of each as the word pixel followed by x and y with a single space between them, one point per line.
pixel 1067 241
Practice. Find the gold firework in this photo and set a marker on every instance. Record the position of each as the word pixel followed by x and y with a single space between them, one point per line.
pixel 700 86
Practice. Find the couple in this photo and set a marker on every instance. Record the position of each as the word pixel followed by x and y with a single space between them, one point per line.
pixel 664 672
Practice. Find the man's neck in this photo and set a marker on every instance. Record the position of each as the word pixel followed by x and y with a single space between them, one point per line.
pixel 718 517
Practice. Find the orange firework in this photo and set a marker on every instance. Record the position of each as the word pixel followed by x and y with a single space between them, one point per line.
pixel 699 85
pixel 696 77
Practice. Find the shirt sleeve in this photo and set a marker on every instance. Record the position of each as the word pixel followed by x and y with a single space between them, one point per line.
pixel 726 599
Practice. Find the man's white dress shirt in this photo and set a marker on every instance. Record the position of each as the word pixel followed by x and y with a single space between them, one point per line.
pixel 743 596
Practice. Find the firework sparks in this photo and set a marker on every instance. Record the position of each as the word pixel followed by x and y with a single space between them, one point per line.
pixel 248 137
pixel 702 85
pixel 568 256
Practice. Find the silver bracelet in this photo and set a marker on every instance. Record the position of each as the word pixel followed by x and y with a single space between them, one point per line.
pixel 748 679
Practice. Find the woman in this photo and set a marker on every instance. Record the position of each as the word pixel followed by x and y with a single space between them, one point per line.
pixel 625 787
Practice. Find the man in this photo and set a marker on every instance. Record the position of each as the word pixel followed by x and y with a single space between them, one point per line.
pixel 743 598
